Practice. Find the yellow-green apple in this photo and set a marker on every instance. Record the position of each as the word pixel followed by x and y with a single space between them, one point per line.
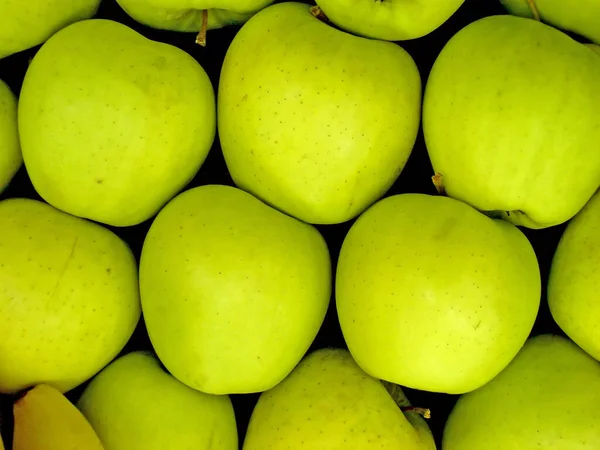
pixel 546 399
pixel 10 149
pixel 25 24
pixel 192 15
pixel 133 404
pixel 233 291
pixel 574 280
pixel 69 296
pixel 317 123
pixel 328 402
pixel 433 295
pixel 581 17
pixel 390 21
pixel 511 120
pixel 112 124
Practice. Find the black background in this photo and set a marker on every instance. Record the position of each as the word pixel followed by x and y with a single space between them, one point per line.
pixel 416 177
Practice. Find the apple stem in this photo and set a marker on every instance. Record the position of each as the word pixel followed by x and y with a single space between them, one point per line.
pixel 201 37
pixel 534 10
pixel 594 47
pixel 395 392
pixel 439 185
pixel 318 13
pixel 425 412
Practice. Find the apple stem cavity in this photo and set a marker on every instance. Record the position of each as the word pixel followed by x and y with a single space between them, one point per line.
pixel 318 13
pixel 201 37
pixel 438 183
pixel 534 10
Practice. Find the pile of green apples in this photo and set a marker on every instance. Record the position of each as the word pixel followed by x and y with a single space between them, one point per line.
pixel 316 112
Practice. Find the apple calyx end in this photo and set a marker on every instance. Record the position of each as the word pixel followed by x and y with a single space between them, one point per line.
pixel 438 183
pixel 201 36
pixel 534 10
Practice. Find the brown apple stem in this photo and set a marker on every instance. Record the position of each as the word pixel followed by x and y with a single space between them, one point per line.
pixel 396 393
pixel 534 10
pixel 594 47
pixel 438 183
pixel 318 13
pixel 425 412
pixel 201 37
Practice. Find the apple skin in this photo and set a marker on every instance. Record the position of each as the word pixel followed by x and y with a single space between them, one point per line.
pixel 510 110
pixel 318 123
pixel 186 15
pixel 433 295
pixel 573 284
pixel 135 405
pixel 44 419
pixel 233 291
pixel 112 124
pixel 581 17
pixel 546 399
pixel 389 21
pixel 69 297
pixel 10 149
pixel 328 402
pixel 25 24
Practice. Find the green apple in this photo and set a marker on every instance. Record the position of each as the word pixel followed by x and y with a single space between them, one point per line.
pixel 328 402
pixel 133 404
pixel 113 125
pixel 433 295
pixel 574 279
pixel 25 24
pixel 546 399
pixel 581 16
pixel 10 149
pixel 390 21
pixel 509 116
pixel 68 296
pixel 233 291
pixel 192 15
pixel 317 123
